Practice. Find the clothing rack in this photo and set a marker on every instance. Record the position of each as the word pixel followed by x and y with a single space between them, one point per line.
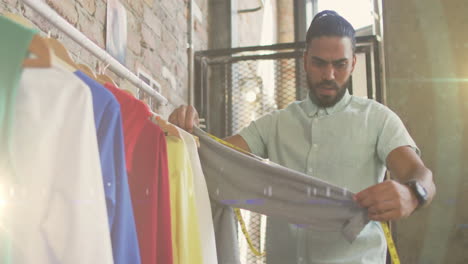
pixel 50 15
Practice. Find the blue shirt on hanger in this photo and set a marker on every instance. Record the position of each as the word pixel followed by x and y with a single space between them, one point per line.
pixel 111 150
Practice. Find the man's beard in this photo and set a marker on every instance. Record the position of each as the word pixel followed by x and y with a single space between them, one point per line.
pixel 327 101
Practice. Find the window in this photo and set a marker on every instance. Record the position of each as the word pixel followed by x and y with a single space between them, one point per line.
pixel 357 12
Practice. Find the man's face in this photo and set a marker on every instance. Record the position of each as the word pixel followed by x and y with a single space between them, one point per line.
pixel 328 63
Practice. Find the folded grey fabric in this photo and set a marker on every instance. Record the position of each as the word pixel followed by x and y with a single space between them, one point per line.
pixel 252 183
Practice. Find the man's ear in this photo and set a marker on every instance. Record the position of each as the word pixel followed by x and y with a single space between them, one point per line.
pixel 354 62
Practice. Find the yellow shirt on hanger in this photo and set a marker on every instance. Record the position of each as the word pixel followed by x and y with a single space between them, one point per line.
pixel 186 243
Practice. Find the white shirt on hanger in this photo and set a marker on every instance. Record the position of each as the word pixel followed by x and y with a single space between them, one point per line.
pixel 56 211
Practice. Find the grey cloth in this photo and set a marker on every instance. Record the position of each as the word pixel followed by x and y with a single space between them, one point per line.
pixel 255 184
pixel 225 227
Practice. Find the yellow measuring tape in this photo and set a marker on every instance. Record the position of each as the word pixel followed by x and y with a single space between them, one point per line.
pixel 255 251
pixel 390 244
pixel 386 228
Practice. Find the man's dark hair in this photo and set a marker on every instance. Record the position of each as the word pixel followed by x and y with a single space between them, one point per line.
pixel 329 23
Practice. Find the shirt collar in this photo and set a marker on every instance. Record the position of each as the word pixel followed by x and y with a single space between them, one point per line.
pixel 312 109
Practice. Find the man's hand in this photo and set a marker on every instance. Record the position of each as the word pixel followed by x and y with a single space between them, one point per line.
pixel 185 117
pixel 389 200
pixel 392 200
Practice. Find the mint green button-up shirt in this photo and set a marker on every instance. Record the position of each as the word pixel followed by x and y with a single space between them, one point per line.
pixel 346 145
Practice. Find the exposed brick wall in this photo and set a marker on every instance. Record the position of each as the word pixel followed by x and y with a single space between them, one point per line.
pixel 157 37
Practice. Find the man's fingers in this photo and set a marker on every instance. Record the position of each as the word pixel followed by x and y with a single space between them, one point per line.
pixel 378 192
pixel 365 201
pixel 366 193
pixel 190 118
pixel 382 207
pixel 375 200
pixel 184 117
pixel 181 113
pixel 369 197
pixel 173 117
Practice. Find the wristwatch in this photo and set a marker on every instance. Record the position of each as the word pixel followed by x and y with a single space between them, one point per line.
pixel 419 191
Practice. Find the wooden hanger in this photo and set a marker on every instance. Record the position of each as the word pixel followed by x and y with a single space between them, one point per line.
pixel 87 70
pixel 103 79
pixel 62 53
pixel 41 52
pixel 167 127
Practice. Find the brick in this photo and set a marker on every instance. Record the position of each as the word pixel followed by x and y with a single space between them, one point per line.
pixel 134 5
pixel 170 7
pixel 182 22
pixel 153 22
pixel 134 41
pixel 149 3
pixel 65 8
pixel 181 71
pixel 148 38
pixel 133 21
pixel 10 5
pixel 93 30
pixel 176 98
pixel 101 12
pixel 134 33
pixel 146 58
pixel 130 61
pixel 169 42
pixel 183 59
pixel 160 12
pixel 88 5
pixel 164 55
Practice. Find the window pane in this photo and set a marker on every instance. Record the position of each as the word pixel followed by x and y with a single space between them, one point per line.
pixel 357 12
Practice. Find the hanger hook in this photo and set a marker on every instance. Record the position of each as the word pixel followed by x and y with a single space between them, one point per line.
pixel 105 68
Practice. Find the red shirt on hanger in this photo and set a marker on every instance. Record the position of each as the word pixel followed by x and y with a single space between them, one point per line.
pixel 146 158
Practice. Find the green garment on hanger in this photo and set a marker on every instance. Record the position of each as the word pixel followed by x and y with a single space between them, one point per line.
pixel 14 44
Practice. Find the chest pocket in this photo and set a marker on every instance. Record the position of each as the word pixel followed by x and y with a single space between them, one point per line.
pixel 346 149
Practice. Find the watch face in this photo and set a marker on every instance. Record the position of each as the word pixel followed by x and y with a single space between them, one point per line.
pixel 421 190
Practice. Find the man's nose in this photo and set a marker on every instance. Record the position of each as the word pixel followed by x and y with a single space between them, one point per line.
pixel 328 72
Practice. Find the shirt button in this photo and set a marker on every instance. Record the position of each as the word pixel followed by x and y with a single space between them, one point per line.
pixel 315 120
pixel 315 146
pixel 310 170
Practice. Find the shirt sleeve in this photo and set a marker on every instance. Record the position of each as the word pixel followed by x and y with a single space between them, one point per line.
pixel 393 134
pixel 257 133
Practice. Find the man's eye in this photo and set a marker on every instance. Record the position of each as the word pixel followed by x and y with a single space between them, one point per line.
pixel 319 63
pixel 341 65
